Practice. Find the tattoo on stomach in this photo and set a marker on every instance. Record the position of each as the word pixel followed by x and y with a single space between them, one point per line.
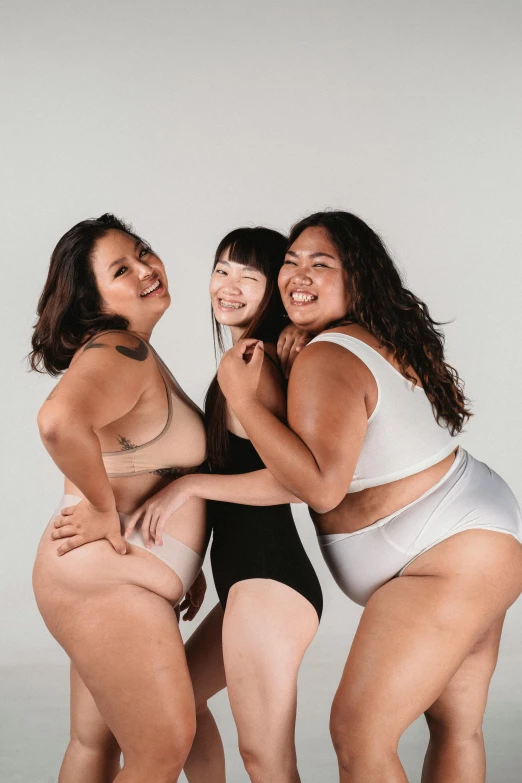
pixel 125 443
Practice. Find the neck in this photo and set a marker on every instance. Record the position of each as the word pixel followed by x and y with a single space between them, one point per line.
pixel 141 331
pixel 237 332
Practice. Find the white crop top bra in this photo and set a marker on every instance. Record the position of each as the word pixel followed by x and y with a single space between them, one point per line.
pixel 403 436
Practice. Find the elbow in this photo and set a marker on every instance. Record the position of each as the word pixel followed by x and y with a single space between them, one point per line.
pixel 325 499
pixel 48 426
pixel 53 425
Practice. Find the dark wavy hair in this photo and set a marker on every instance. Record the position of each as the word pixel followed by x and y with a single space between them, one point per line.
pixel 264 249
pixel 70 306
pixel 380 303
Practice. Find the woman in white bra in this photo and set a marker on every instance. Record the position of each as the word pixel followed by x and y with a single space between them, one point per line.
pixel 119 428
pixel 412 527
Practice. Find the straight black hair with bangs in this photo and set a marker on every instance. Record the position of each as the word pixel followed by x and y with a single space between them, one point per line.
pixel 263 249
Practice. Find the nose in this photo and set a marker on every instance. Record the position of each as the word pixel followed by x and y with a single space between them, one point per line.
pixel 301 276
pixel 144 271
pixel 231 287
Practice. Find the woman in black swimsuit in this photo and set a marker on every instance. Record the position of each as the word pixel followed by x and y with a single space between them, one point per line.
pixel 270 597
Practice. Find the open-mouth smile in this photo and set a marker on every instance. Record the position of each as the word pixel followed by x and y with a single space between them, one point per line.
pixel 301 298
pixel 154 288
pixel 226 304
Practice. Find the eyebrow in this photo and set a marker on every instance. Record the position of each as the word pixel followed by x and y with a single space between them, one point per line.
pixel 121 260
pixel 312 255
pixel 246 267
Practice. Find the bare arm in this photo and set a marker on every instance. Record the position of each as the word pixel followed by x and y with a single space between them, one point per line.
pixel 101 386
pixel 315 456
pixel 258 488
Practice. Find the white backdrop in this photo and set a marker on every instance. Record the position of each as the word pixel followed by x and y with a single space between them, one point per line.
pixel 192 119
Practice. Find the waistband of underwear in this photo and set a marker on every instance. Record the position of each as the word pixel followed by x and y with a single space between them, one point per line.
pixel 459 464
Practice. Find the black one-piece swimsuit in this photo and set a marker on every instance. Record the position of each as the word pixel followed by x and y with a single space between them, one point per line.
pixel 257 542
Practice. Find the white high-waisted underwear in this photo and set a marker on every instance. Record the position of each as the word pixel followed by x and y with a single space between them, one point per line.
pixel 178 556
pixel 470 496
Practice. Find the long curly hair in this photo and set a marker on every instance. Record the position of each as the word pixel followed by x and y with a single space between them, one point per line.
pixel 264 249
pixel 70 309
pixel 381 303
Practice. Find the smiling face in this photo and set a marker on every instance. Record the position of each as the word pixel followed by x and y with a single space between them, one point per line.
pixel 313 281
pixel 131 280
pixel 236 293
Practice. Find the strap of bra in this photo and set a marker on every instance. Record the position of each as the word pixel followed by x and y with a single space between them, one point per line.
pixel 165 371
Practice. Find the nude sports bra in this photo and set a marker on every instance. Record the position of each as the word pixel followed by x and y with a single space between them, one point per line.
pixel 403 436
pixel 176 449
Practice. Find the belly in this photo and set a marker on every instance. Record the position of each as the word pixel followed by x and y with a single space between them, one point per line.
pixel 360 509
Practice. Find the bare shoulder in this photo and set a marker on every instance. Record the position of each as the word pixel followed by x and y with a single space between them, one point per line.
pixel 124 343
pixel 325 363
pixel 114 358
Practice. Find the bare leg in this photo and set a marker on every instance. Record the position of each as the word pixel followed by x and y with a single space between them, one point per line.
pixel 415 633
pixel 124 641
pixel 456 751
pixel 206 761
pixel 93 755
pixel 266 631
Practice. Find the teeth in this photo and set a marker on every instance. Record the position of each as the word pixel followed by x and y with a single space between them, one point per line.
pixel 297 296
pixel 151 288
pixel 230 305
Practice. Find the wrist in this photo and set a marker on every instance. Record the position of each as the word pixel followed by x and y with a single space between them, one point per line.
pixel 245 403
pixel 104 507
pixel 188 485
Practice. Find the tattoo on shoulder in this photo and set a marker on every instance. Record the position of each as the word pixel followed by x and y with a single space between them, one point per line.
pixel 94 343
pixel 139 352
pixel 125 443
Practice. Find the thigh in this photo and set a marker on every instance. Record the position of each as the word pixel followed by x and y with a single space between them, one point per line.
pixel 88 725
pixel 266 631
pixel 417 630
pixel 126 646
pixel 204 653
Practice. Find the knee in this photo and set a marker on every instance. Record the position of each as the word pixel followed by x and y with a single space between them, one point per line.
pixel 204 717
pixel 360 738
pixel 163 763
pixel 456 726
pixel 202 711
pixel 98 740
pixel 267 762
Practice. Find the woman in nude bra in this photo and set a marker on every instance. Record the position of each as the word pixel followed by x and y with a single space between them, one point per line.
pixel 119 428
